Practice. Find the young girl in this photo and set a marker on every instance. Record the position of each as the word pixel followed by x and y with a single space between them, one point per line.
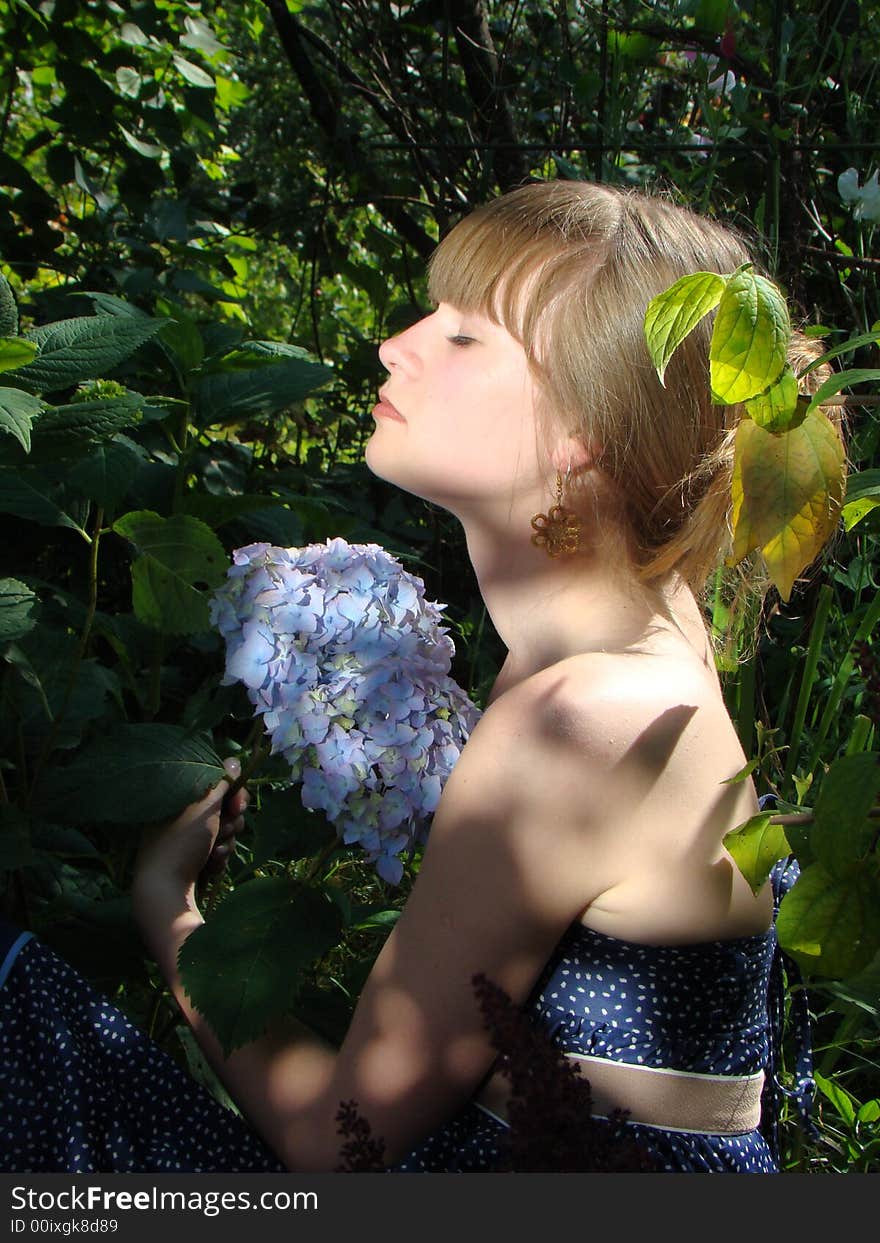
pixel 576 857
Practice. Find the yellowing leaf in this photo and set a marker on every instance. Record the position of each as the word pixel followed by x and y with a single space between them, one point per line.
pixel 777 410
pixel 675 312
pixel 750 338
pixel 787 492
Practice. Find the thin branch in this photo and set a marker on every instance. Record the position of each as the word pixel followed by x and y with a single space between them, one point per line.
pixel 479 62
pixel 325 106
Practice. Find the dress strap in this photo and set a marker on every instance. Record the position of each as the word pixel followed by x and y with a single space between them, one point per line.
pixel 12 940
pixel 785 973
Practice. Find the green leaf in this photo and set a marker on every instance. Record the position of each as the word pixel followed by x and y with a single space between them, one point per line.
pixel 18 411
pixel 87 421
pixel 231 93
pixel 787 492
pixel 832 927
pixel 869 1112
pixel 133 35
pixel 27 494
pixel 44 661
pixel 853 513
pixel 16 603
pixel 15 352
pixel 183 340
pixel 8 309
pixel 19 660
pixel 863 484
pixel 177 554
pixel 216 511
pixel 750 338
pixel 149 150
pixel 193 74
pixel 676 312
pixel 285 830
pixel 862 497
pixel 778 409
pixel 263 388
pixel 82 348
pixel 838 1096
pixel 106 475
pixel 129 81
pixel 756 846
pixel 841 380
pixel 241 969
pixel 140 774
pixel 842 832
pixel 373 918
pixel 200 36
pixel 846 347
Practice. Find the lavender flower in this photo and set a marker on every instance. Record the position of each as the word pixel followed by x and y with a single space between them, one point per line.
pixel 348 664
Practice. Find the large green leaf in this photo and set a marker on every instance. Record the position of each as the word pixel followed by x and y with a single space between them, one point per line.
pixel 82 348
pixel 84 423
pixel 177 556
pixel 787 493
pixel 842 833
pixel 18 411
pixel 241 969
pixel 271 382
pixel 16 604
pixel 108 472
pixel 756 846
pixel 832 927
pixel 28 494
pixel 44 659
pixel 749 339
pixel 676 312
pixel 138 775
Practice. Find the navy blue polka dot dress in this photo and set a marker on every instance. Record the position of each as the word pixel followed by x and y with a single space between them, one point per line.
pixel 83 1090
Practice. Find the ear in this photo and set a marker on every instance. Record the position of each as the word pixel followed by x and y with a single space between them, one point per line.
pixel 572 453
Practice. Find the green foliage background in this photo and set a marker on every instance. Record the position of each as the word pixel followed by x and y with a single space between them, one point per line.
pixel 209 217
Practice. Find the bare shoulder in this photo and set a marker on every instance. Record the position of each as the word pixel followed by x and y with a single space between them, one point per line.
pixel 603 704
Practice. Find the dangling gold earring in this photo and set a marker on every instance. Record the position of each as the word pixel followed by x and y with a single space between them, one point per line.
pixel 558 532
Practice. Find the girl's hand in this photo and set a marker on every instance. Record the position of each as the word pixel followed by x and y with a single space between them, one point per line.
pixel 199 841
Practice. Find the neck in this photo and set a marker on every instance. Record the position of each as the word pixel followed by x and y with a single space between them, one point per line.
pixel 548 609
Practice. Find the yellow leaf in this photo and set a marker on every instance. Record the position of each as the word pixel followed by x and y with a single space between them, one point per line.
pixel 787 493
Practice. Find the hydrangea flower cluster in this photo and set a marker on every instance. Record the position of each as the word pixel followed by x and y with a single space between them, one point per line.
pixel 348 664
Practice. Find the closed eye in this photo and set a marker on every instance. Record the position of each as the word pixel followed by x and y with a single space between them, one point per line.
pixel 461 340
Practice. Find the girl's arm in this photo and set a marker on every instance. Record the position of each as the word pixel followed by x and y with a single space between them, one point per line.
pixel 501 879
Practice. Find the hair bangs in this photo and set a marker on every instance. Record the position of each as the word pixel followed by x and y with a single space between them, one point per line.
pixel 504 269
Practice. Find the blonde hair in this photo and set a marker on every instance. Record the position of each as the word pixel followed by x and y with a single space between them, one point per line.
pixel 568 268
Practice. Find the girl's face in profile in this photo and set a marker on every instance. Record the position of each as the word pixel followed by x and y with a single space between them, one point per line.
pixel 456 421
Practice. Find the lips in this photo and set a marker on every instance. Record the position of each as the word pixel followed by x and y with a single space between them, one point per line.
pixel 386 410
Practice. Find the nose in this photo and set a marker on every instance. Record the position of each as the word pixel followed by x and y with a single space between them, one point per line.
pixel 393 351
pixel 401 351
